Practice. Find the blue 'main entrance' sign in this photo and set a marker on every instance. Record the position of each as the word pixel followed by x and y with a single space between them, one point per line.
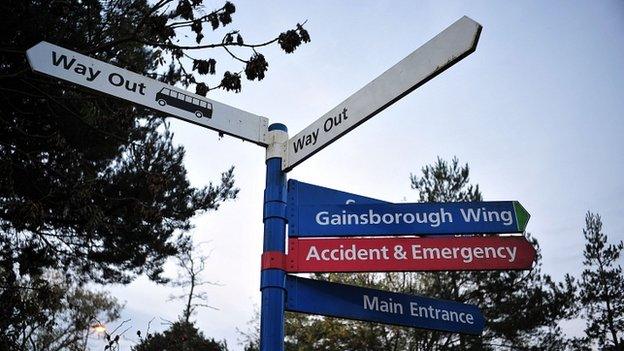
pixel 352 302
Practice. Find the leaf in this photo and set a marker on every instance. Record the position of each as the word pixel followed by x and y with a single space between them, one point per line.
pixel 201 89
pixel 214 21
pixel 185 10
pixel 211 66
pixel 204 66
pixel 197 27
pixel 225 18
pixel 229 7
pixel 231 82
pixel 289 41
pixel 256 66
pixel 177 53
pixel 305 36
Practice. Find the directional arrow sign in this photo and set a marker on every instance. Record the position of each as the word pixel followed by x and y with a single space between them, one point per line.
pixel 352 302
pixel 97 75
pixel 407 219
pixel 409 254
pixel 304 194
pixel 444 50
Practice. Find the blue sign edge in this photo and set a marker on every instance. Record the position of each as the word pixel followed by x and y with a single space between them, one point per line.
pixel 291 289
pixel 292 202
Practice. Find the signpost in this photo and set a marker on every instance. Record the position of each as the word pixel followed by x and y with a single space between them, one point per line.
pixel 409 254
pixel 408 219
pixel 310 210
pixel 352 302
pixel 71 66
pixel 444 50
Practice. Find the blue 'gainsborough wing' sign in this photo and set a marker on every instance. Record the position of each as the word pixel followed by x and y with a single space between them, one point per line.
pixel 315 211
pixel 352 302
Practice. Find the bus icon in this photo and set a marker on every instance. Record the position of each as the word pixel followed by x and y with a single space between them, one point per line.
pixel 185 102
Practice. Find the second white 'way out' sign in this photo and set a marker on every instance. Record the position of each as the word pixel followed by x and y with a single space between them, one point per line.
pixel 444 50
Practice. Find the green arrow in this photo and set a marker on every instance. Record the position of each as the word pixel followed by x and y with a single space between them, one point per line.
pixel 522 216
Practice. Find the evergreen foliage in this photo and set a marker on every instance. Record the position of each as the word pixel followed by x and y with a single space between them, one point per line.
pixel 601 287
pixel 181 336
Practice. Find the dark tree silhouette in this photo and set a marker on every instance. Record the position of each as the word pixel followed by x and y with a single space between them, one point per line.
pixel 92 185
pixel 66 319
pixel 181 336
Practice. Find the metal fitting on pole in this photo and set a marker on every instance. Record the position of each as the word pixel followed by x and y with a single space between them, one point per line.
pixel 277 139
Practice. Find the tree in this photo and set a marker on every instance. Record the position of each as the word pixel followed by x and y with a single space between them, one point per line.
pixel 181 336
pixel 66 320
pixel 250 338
pixel 91 184
pixel 521 309
pixel 601 287
pixel 191 265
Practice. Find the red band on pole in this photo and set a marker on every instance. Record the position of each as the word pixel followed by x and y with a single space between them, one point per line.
pixel 273 260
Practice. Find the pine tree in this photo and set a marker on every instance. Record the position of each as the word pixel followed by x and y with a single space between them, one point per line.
pixel 602 287
pixel 521 308
pixel 180 336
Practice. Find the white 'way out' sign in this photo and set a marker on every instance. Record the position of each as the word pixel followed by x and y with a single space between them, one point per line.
pixel 97 75
pixel 444 50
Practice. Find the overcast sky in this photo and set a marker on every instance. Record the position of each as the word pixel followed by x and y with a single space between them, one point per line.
pixel 536 112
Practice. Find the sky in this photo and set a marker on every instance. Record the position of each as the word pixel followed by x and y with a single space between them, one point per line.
pixel 536 112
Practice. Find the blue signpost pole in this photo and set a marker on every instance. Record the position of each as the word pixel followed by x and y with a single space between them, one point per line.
pixel 273 276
